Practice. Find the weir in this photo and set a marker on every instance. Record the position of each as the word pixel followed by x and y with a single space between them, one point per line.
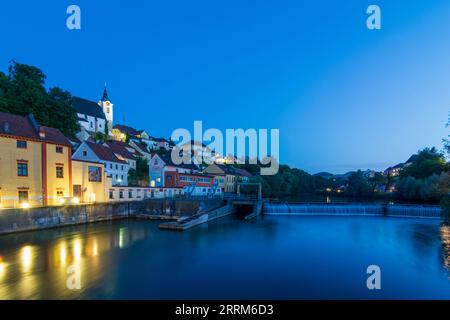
pixel 361 209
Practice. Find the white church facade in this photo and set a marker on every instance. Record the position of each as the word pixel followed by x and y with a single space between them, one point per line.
pixel 94 117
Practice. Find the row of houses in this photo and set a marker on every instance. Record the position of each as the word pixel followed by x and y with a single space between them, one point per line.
pixel 39 166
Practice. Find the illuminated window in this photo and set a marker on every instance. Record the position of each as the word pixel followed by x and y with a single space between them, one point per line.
pixel 60 172
pixel 59 193
pixel 23 196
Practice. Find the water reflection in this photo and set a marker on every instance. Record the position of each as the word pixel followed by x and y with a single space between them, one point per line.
pixel 272 257
pixel 445 239
pixel 44 269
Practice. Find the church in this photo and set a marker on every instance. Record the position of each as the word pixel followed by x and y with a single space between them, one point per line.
pixel 93 116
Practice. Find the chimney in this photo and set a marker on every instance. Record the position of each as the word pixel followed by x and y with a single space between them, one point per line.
pixel 41 133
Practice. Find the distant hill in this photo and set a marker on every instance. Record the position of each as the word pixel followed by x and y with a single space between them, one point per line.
pixel 325 175
pixel 328 175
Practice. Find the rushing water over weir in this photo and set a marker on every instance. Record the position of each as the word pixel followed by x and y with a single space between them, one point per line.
pixel 353 210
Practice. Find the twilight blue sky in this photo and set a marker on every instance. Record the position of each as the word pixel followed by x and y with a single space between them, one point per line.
pixel 342 96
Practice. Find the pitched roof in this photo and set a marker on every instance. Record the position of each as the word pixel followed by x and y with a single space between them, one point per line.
pixel 88 107
pixel 226 169
pixel 120 148
pixel 168 161
pixel 160 140
pixel 104 153
pixel 27 127
pixel 55 136
pixel 141 146
pixel 242 172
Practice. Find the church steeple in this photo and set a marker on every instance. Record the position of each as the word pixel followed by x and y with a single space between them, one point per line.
pixel 105 94
pixel 107 107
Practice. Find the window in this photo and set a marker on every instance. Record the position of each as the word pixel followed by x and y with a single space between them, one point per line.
pixel 117 176
pixel 111 194
pixel 121 177
pixel 130 194
pixel 84 153
pixel 77 190
pixel 21 144
pixel 110 165
pixel 122 168
pixel 22 169
pixel 23 196
pixel 60 172
pixel 117 167
pixel 121 194
pixel 99 125
pixel 92 124
pixel 107 110
pixel 59 193
pixel 59 149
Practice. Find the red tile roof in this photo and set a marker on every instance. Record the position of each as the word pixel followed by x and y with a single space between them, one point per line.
pixel 55 136
pixel 104 153
pixel 20 126
pixel 120 148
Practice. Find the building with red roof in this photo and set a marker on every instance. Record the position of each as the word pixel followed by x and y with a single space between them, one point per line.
pixel 35 163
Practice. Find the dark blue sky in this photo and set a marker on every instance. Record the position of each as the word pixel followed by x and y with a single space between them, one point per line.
pixel 342 96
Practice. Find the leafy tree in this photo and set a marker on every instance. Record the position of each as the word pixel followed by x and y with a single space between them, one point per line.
pixel 23 92
pixel 139 176
pixel 358 186
pixel 98 136
pixel 428 161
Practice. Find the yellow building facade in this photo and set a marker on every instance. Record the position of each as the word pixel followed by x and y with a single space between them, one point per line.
pixel 90 182
pixel 35 163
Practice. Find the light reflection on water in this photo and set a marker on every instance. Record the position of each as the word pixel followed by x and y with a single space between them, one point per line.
pixel 41 270
pixel 275 257
pixel 445 239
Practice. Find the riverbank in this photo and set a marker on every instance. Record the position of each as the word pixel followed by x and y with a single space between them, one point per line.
pixel 20 220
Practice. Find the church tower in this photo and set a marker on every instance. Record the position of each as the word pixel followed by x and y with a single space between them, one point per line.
pixel 107 107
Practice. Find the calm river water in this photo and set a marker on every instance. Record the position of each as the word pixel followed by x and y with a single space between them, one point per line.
pixel 274 258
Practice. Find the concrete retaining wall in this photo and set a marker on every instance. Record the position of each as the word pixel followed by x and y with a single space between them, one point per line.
pixel 17 220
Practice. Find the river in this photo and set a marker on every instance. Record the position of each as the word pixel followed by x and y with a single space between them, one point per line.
pixel 274 257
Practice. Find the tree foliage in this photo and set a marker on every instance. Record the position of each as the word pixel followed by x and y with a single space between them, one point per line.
pixel 23 91
pixel 358 186
pixel 139 176
pixel 427 162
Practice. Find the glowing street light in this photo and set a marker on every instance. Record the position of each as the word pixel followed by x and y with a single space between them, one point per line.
pixel 25 205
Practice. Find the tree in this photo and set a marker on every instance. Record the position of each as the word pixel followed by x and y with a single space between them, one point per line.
pixel 98 136
pixel 358 186
pixel 23 92
pixel 427 162
pixel 139 176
